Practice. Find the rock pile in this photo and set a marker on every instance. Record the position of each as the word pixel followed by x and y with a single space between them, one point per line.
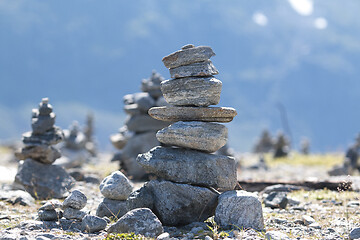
pixel 36 174
pixel 138 134
pixel 115 188
pixel 74 151
pixel 73 204
pixel 189 171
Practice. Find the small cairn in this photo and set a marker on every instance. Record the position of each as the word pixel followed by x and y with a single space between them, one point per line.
pixel 36 174
pixel 189 171
pixel 73 204
pixel 138 134
pixel 74 152
pixel 89 134
pixel 115 188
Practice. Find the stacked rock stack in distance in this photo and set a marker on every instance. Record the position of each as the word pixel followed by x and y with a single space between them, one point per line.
pixel 36 174
pixel 190 173
pixel 138 134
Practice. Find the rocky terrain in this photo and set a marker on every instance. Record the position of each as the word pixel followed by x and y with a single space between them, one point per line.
pixel 307 214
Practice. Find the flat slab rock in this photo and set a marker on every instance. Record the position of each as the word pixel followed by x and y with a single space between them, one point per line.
pixel 43 181
pixel 203 136
pixel 178 204
pixel 187 55
pixel 204 114
pixel 199 69
pixel 190 166
pixel 192 91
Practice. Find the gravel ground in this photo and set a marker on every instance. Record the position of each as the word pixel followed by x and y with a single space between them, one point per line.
pixel 335 214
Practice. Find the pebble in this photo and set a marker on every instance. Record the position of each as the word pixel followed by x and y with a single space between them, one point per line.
pixel 355 233
pixel 116 186
pixel 199 69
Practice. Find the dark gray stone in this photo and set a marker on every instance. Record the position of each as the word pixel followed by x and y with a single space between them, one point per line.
pixel 204 114
pixel 202 136
pixel 188 55
pixel 41 124
pixel 48 215
pixel 111 208
pixel 73 214
pixel 92 224
pixel 190 166
pixel 42 153
pixel 76 200
pixel 181 204
pixel 276 200
pixel 144 123
pixel 50 137
pixel 239 209
pixel 141 198
pixel 192 91
pixel 355 233
pixel 43 181
pixel 116 186
pixel 282 188
pixel 139 221
pixel 199 69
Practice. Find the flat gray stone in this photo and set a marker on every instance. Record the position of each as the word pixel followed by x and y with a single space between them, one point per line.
pixel 239 209
pixel 116 186
pixel 92 224
pixel 51 205
pixel 139 221
pixel 111 208
pixel 143 123
pixel 42 153
pixel 187 56
pixel 204 114
pixel 43 181
pixel 199 69
pixel 72 213
pixel 191 167
pixel 76 200
pixel 181 204
pixel 192 91
pixel 203 136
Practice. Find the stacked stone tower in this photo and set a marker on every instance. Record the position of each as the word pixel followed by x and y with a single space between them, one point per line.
pixel 190 173
pixel 36 174
pixel 138 133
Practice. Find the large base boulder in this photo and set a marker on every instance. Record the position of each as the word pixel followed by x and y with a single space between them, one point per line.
pixel 43 181
pixel 177 204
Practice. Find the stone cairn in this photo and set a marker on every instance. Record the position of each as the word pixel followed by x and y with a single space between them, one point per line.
pixel 89 132
pixel 189 174
pixel 74 152
pixel 37 175
pixel 138 134
pixel 74 216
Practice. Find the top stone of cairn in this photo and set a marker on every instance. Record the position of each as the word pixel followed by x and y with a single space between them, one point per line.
pixel 187 55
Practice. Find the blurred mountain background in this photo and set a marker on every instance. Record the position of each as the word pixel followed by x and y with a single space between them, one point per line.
pixel 85 55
